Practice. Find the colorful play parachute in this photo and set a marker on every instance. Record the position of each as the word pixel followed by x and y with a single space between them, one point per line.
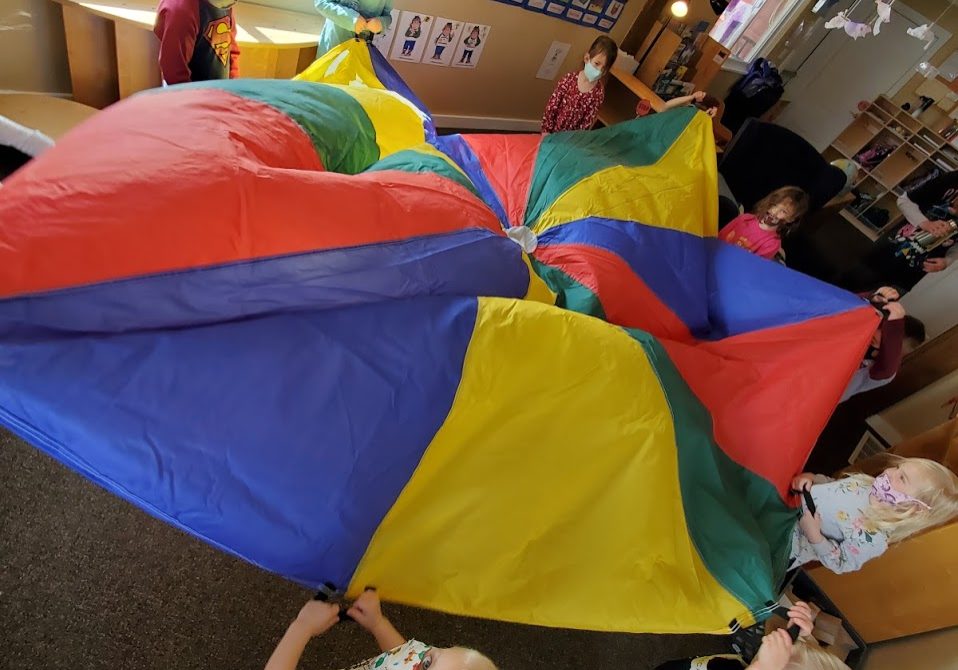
pixel 504 376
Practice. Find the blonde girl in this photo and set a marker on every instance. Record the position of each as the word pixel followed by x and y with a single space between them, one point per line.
pixel 858 517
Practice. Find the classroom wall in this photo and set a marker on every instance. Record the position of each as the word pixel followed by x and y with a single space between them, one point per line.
pixel 33 54
pixel 504 85
pixel 931 10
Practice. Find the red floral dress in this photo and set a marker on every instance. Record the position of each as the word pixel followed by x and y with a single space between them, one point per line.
pixel 570 109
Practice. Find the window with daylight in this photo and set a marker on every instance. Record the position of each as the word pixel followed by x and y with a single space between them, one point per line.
pixel 746 25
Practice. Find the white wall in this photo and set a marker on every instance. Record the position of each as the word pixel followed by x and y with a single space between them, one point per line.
pixel 934 300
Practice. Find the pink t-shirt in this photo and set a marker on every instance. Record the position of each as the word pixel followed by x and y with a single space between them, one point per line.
pixel 745 231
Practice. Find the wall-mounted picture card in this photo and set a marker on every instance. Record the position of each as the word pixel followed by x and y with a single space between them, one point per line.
pixel 602 14
pixel 615 9
pixel 442 41
pixel 384 40
pixel 412 34
pixel 469 51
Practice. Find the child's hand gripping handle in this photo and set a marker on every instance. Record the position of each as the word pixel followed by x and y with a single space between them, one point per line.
pixel 800 620
pixel 809 501
pixel 329 593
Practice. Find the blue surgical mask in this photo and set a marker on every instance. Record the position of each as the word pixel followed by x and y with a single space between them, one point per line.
pixel 592 73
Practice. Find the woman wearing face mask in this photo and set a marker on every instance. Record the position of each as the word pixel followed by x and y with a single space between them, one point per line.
pixel 398 653
pixel 575 103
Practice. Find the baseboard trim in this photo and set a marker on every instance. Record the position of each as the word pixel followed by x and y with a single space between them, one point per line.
pixel 486 123
pixel 67 96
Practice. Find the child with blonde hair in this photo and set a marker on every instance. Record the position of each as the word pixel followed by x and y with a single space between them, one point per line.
pixel 858 517
pixel 317 617
pixel 777 652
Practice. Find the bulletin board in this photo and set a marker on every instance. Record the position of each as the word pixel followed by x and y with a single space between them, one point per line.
pixel 599 14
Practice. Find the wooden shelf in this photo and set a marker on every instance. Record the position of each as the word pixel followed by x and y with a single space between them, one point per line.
pixel 864 229
pixel 112 51
pixel 919 150
pixel 635 85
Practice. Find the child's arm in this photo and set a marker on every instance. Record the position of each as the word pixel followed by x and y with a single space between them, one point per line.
pixel 342 16
pixel 177 25
pixel 845 556
pixel 368 613
pixel 892 337
pixel 806 480
pixel 775 652
pixel 314 619
pixel 234 50
pixel 549 118
pixel 681 101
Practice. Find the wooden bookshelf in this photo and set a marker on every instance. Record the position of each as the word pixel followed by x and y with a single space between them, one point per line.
pixel 918 150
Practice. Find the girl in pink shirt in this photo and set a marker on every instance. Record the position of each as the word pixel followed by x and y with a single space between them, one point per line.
pixel 774 216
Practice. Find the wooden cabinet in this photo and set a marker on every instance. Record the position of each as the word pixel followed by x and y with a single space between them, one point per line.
pixel 113 53
pixel 916 151
pixel 913 588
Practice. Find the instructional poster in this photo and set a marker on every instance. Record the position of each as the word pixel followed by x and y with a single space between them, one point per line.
pixel 384 40
pixel 412 34
pixel 442 42
pixel 469 51
pixel 602 14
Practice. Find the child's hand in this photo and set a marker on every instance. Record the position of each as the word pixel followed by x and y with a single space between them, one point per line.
pixel 360 25
pixel 888 293
pixel 698 96
pixel 935 264
pixel 775 652
pixel 803 482
pixel 894 310
pixel 374 25
pixel 317 617
pixel 811 525
pixel 800 614
pixel 936 228
pixel 367 611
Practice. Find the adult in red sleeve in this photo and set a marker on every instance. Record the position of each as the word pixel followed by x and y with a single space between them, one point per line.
pixel 575 103
pixel 197 40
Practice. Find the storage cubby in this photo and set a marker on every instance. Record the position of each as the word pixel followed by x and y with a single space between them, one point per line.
pixel 898 165
pixel 854 138
pixel 886 105
pixel 885 142
pixel 883 213
pixel 867 192
pixel 905 119
pixel 918 152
